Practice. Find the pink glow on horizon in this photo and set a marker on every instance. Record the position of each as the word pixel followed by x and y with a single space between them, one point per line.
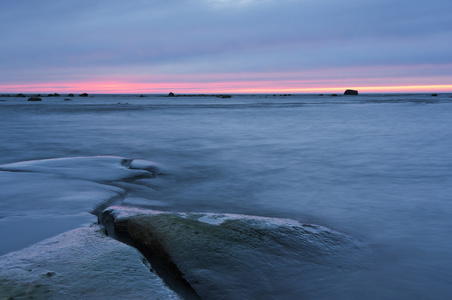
pixel 369 79
pixel 238 87
pixel 363 89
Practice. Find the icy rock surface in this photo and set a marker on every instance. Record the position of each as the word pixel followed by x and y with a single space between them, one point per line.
pixel 80 264
pixel 226 256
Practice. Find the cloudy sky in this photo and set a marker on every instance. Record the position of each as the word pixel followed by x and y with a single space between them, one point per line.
pixel 297 46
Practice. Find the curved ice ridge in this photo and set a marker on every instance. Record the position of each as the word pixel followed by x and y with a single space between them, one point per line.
pixel 95 168
pixel 69 185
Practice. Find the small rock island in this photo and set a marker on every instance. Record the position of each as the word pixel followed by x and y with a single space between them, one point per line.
pixel 351 92
pixel 34 98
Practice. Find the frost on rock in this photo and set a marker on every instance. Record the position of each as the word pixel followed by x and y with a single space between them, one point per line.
pixel 225 256
pixel 80 264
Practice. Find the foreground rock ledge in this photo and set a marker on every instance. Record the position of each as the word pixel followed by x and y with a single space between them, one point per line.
pixel 80 264
pixel 223 256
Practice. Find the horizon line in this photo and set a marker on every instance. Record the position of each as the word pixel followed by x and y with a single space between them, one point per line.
pixel 209 88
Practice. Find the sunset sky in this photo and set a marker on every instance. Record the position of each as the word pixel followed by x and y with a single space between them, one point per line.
pixel 236 46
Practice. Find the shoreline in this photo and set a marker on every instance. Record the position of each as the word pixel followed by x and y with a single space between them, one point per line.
pixel 194 254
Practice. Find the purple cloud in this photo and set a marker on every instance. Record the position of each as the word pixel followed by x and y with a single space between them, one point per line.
pixel 81 38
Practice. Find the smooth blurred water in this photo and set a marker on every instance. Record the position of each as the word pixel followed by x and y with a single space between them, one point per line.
pixel 377 167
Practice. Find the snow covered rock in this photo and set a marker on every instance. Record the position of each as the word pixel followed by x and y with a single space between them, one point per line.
pixel 80 264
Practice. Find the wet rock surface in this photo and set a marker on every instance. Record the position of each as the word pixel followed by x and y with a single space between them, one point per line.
pixel 225 256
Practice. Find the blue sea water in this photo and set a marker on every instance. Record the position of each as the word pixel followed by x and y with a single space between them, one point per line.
pixel 376 167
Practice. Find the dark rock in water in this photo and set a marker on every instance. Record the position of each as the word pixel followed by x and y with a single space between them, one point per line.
pixel 333 95
pixel 226 96
pixel 21 95
pixel 67 99
pixel 53 95
pixel 237 256
pixel 83 95
pixel 34 98
pixel 434 95
pixel 351 92
pixel 320 94
pixel 171 94
pixel 70 95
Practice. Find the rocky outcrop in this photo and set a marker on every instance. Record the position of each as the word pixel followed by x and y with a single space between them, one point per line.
pixel 34 98
pixel 80 264
pixel 212 256
pixel 351 92
pixel 171 94
pixel 70 95
pixel 238 257
pixel 83 95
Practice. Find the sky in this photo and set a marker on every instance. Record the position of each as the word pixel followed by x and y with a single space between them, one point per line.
pixel 236 46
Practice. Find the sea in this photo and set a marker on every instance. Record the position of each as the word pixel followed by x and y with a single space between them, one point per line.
pixel 377 167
